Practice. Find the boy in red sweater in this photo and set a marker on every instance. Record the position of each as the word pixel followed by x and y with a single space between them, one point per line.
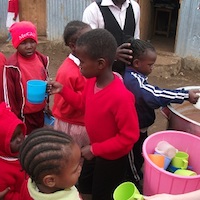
pixel 22 66
pixel 110 115
pixel 12 134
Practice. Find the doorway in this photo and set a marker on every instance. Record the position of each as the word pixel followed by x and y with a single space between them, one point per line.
pixel 159 23
pixel 34 11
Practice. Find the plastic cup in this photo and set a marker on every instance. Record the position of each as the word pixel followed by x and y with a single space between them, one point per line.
pixel 185 172
pixel 157 159
pixel 36 90
pixel 167 160
pixel 166 149
pixel 180 160
pixel 127 191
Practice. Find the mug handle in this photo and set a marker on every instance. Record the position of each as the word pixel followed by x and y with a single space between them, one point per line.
pixel 185 164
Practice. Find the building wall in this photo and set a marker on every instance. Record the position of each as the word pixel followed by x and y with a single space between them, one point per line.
pixel 34 11
pixel 146 19
pixel 188 32
pixel 59 13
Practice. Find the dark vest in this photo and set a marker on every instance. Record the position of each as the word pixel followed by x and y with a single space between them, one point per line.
pixel 120 35
pixel 113 27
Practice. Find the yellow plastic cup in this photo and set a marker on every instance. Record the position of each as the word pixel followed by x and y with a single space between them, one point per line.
pixel 127 191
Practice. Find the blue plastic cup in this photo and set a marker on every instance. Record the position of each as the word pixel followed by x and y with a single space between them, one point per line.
pixel 36 90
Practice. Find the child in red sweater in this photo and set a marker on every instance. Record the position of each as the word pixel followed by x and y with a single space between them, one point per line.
pixel 12 134
pixel 110 115
pixel 12 15
pixel 67 118
pixel 24 65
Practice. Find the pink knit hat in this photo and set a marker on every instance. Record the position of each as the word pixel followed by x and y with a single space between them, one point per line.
pixel 21 31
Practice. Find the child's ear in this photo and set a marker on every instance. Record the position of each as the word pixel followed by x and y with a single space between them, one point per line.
pixel 49 181
pixel 136 63
pixel 72 46
pixel 101 63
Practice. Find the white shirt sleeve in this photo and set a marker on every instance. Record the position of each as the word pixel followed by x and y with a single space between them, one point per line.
pixel 93 16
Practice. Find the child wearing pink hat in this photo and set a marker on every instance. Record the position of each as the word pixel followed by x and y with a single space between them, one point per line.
pixel 25 64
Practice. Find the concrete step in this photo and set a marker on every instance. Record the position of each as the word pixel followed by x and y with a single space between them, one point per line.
pixel 166 65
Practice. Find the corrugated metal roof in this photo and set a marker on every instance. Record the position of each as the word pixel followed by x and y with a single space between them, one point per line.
pixel 60 12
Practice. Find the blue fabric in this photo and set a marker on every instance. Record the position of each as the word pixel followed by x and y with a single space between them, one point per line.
pixel 149 97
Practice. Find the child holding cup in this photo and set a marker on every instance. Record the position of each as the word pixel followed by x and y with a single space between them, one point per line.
pixel 25 64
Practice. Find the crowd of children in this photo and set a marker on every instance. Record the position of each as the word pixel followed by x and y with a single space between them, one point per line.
pixel 98 116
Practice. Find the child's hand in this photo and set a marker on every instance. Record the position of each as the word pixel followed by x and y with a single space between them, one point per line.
pixel 124 54
pixel 86 152
pixel 4 192
pixel 193 95
pixel 54 87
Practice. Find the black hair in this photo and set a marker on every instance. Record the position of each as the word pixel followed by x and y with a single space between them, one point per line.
pixel 99 43
pixel 42 152
pixel 139 48
pixel 72 30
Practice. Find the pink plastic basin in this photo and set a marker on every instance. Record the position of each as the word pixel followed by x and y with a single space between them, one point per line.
pixel 157 180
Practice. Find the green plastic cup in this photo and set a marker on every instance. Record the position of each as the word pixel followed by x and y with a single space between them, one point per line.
pixel 127 191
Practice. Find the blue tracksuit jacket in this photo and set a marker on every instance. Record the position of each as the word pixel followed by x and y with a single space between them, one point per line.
pixel 149 97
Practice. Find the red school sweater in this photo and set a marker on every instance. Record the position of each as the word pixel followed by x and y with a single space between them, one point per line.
pixel 69 75
pixel 110 117
pixel 11 171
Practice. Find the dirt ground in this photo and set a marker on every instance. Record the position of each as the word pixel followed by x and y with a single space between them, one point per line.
pixel 57 52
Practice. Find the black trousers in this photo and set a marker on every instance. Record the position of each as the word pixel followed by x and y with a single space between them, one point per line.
pixel 100 177
pixel 138 158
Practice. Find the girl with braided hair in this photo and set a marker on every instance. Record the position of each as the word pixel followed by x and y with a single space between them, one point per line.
pixel 52 160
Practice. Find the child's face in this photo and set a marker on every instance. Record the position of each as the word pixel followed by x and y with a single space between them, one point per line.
pixel 71 171
pixel 27 47
pixel 89 68
pixel 145 64
pixel 16 140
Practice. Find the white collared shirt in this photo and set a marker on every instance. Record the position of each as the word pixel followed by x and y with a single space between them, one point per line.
pixel 75 59
pixel 93 16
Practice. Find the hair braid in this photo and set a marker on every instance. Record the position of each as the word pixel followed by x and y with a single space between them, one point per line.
pixel 42 152
pixel 139 47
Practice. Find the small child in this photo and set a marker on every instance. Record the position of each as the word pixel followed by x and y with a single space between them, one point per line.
pixel 24 65
pixel 2 63
pixel 12 134
pixel 52 160
pixel 12 15
pixel 148 97
pixel 110 115
pixel 67 118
